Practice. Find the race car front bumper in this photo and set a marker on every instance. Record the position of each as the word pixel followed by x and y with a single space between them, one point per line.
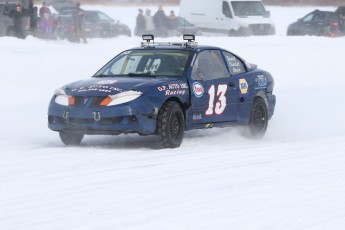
pixel 112 120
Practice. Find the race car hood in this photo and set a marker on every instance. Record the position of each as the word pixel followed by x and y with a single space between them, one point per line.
pixel 112 85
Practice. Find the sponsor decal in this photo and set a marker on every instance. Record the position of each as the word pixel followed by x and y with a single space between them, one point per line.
pixel 98 88
pixel 198 89
pixel 243 86
pixel 197 116
pixel 234 64
pixel 261 82
pixel 173 89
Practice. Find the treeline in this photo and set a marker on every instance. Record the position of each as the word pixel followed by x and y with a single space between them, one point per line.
pixel 305 2
pixel 266 2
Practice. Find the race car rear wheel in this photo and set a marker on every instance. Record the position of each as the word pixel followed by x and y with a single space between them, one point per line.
pixel 170 124
pixel 71 138
pixel 258 118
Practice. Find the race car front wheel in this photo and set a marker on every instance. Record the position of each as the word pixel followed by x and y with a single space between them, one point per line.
pixel 170 124
pixel 71 138
pixel 258 118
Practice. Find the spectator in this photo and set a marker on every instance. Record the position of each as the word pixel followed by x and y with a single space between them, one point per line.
pixel 34 20
pixel 45 26
pixel 17 16
pixel 78 16
pixel 172 24
pixel 160 20
pixel 140 26
pixel 150 26
pixel 44 10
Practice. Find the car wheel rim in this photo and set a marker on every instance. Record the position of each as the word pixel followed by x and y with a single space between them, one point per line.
pixel 259 118
pixel 174 126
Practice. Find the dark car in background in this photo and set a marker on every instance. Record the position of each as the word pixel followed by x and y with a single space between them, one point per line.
pixel 340 11
pixel 185 27
pixel 60 5
pixel 316 23
pixel 96 25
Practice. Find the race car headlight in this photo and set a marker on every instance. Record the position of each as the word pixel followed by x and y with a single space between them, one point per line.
pixel 62 98
pixel 121 98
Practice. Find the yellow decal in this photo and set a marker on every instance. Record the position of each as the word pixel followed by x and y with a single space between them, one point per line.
pixel 243 86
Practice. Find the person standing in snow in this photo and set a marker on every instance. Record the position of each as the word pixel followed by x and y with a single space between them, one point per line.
pixel 78 16
pixel 140 25
pixel 150 26
pixel 44 10
pixel 161 22
pixel 172 24
pixel 17 16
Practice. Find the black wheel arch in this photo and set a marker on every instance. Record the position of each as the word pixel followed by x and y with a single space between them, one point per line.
pixel 262 95
pixel 184 106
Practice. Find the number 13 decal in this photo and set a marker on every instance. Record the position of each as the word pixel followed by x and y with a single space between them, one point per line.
pixel 220 105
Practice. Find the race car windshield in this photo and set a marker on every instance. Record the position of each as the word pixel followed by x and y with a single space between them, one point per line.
pixel 244 9
pixel 146 63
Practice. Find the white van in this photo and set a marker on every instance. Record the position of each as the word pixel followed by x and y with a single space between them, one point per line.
pixel 229 17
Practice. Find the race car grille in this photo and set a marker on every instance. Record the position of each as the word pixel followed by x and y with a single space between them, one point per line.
pixel 260 29
pixel 86 121
pixel 79 101
pixel 88 101
pixel 81 120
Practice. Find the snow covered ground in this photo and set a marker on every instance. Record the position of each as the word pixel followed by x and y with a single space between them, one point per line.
pixel 218 179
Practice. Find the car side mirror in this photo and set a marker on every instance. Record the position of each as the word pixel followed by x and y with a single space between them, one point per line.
pixel 268 13
pixel 299 20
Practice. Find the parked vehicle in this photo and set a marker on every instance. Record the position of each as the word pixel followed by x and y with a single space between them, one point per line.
pixel 96 25
pixel 228 17
pixel 316 23
pixel 164 89
pixel 340 11
pixel 61 5
pixel 185 27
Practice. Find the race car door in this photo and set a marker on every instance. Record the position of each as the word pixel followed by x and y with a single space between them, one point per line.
pixel 214 95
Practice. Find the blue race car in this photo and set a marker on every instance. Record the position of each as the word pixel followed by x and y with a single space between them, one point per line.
pixel 165 89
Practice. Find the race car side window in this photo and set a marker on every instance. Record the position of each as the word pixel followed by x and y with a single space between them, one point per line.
pixel 236 66
pixel 209 65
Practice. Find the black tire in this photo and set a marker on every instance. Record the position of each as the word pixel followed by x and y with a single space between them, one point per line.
pixel 258 118
pixel 71 138
pixel 171 124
